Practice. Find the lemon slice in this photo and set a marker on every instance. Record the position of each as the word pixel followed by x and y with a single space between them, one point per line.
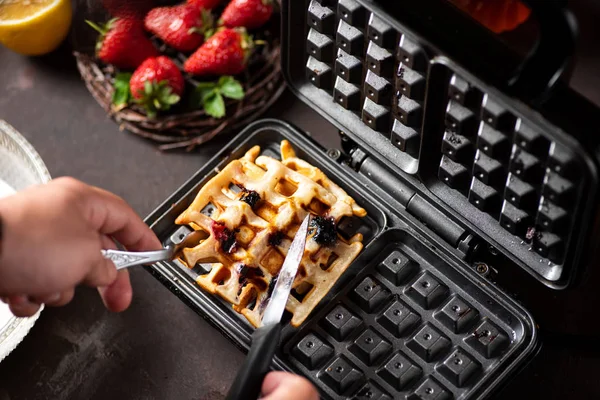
pixel 34 27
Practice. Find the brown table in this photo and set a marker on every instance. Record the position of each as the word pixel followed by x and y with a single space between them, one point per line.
pixel 159 348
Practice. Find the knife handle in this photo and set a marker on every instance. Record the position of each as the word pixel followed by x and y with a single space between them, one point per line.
pixel 248 382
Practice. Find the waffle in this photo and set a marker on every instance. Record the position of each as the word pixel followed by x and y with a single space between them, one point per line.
pixel 257 204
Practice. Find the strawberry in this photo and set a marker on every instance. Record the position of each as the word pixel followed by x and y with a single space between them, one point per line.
pixel 205 4
pixel 123 43
pixel 250 14
pixel 224 53
pixel 128 9
pixel 157 84
pixel 181 27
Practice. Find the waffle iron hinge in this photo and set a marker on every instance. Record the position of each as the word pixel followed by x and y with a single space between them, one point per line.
pixel 451 232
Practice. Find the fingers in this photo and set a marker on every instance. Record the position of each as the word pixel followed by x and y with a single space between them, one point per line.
pixel 46 299
pixel 107 243
pixel 113 218
pixel 52 300
pixel 95 216
pixel 21 307
pixel 110 215
pixel 102 273
pixel 286 386
pixel 117 296
pixel 56 299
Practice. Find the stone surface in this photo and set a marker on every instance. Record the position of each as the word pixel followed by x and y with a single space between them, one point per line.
pixel 159 348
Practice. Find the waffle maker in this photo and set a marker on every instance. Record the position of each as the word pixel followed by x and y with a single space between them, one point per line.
pixel 478 168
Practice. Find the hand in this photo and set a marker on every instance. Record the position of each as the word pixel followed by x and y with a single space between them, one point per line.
pixel 286 386
pixel 51 241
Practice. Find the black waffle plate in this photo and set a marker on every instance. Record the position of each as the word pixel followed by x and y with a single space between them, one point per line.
pixel 408 319
pixel 492 164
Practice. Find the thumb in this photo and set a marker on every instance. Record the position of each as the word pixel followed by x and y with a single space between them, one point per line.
pixel 102 272
pixel 286 386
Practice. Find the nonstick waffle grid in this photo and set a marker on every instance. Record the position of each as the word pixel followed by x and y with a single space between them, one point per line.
pixel 405 328
pixel 369 69
pixel 510 177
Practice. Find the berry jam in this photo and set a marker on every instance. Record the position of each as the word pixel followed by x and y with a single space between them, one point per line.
pixel 248 274
pixel 323 230
pixel 243 270
pixel 270 289
pixel 225 236
pixel 271 286
pixel 250 197
pixel 275 238
pixel 243 282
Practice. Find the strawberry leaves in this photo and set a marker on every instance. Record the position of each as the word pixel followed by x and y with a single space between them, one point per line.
pixel 210 95
pixel 206 27
pixel 122 94
pixel 231 88
pixel 157 97
pixel 102 30
pixel 214 105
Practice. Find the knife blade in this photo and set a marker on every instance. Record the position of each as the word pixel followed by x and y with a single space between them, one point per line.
pixel 287 274
pixel 265 340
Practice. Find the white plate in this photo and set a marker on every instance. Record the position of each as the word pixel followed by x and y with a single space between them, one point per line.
pixel 20 167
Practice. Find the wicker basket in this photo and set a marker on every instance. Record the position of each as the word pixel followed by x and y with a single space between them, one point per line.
pixel 183 127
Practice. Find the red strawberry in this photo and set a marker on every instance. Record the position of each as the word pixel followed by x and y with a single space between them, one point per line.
pixel 123 43
pixel 129 8
pixel 225 53
pixel 205 4
pixel 181 27
pixel 157 84
pixel 250 14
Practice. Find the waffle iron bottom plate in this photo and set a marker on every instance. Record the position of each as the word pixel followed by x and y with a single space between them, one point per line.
pixel 408 319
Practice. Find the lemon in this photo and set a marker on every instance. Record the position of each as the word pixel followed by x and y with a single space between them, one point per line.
pixel 34 27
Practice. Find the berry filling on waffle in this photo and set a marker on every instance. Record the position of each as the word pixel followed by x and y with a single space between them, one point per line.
pixel 257 204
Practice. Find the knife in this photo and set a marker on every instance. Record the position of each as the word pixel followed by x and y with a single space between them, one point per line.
pixel 265 340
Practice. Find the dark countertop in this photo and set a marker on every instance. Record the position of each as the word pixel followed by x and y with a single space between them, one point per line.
pixel 159 348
